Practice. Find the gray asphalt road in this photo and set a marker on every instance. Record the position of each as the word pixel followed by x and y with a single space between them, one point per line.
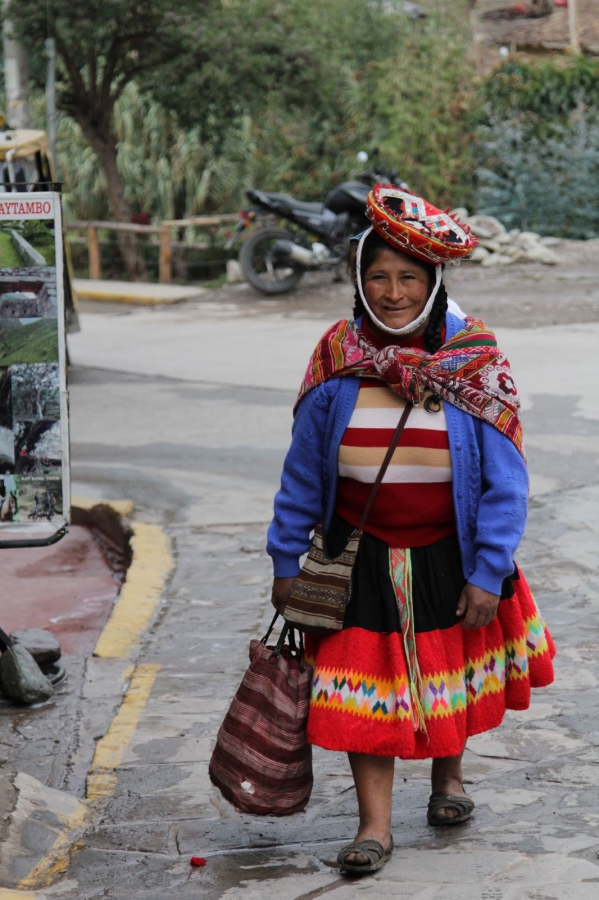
pixel 186 411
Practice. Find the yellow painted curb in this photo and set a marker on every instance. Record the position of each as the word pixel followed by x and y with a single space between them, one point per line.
pixel 9 894
pixel 57 858
pixel 130 617
pixel 137 294
pixel 136 299
pixel 140 595
pixel 101 783
pixel 110 750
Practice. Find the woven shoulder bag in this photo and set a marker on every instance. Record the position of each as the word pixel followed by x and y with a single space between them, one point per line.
pixel 322 589
pixel 262 762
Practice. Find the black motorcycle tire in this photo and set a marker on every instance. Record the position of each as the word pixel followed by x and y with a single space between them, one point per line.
pixel 254 249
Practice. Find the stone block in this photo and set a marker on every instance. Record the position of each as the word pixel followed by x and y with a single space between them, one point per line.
pixel 42 644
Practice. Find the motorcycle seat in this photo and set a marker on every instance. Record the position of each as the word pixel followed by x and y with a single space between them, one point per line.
pixel 314 208
pixel 292 203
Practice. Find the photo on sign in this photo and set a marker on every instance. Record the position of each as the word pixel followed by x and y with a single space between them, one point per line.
pixel 34 450
pixel 28 341
pixel 27 242
pixel 7 443
pixel 38 448
pixel 35 391
pixel 28 293
pixel 28 302
pixel 39 498
pixel 9 499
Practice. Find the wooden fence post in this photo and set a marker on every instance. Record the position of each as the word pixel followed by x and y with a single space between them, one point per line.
pixel 94 253
pixel 573 26
pixel 166 252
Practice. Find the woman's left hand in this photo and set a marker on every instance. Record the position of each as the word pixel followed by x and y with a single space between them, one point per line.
pixel 476 607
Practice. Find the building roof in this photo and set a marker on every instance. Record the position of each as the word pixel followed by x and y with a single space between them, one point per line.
pixel 547 33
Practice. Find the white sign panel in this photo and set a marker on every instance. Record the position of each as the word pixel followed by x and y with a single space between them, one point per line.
pixel 34 445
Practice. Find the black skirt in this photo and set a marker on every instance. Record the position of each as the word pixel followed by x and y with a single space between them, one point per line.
pixel 437 582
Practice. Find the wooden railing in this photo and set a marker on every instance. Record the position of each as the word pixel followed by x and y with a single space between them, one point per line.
pixel 165 241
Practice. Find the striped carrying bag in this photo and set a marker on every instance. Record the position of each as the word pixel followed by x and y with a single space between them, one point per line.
pixel 322 589
pixel 261 762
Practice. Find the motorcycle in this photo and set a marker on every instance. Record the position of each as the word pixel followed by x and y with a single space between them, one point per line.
pixel 274 259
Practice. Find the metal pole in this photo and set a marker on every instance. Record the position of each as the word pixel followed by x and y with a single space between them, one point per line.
pixel 15 78
pixel 51 100
pixel 573 23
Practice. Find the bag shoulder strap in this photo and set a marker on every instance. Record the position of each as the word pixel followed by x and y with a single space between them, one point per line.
pixel 386 461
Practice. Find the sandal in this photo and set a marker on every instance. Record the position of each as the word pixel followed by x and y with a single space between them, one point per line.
pixel 376 853
pixel 462 804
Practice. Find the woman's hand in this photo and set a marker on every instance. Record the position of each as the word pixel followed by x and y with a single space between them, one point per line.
pixel 477 607
pixel 281 589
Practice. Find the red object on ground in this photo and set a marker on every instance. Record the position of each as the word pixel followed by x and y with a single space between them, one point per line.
pixel 68 588
pixel 198 861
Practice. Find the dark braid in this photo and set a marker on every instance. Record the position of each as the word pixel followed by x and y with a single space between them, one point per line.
pixel 436 322
pixel 433 340
pixel 359 308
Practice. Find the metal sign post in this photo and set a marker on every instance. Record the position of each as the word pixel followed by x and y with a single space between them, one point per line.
pixel 34 432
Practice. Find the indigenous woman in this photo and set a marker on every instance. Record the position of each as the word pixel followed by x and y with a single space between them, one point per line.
pixel 441 634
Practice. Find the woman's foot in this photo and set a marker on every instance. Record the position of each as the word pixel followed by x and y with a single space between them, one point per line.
pixel 368 834
pixel 446 779
pixel 365 856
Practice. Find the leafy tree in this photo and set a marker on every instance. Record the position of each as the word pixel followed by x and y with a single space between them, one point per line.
pixel 290 70
pixel 420 101
pixel 236 93
pixel 35 391
pixel 244 56
pixel 103 45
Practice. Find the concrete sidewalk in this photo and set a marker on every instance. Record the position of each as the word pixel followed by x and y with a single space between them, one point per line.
pixel 534 780
pixel 187 411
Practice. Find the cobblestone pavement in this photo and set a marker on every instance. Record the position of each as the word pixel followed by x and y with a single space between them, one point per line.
pixel 201 453
pixel 534 780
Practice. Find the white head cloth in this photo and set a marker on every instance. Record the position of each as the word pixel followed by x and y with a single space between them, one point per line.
pixel 411 326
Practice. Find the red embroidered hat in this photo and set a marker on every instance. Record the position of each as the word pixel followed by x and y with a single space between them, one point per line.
pixel 409 223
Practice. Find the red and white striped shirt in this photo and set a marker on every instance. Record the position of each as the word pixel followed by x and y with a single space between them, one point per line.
pixel 414 505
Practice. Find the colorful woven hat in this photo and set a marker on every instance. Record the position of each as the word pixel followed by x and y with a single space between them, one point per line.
pixel 408 222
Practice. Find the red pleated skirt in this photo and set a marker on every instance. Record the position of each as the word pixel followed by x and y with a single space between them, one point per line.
pixel 361 698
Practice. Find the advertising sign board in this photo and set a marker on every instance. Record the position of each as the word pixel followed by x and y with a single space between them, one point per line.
pixel 34 439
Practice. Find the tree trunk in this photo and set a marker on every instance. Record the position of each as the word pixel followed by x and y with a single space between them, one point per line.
pixel 15 78
pixel 105 148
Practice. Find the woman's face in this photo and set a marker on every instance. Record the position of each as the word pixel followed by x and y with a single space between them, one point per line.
pixel 396 288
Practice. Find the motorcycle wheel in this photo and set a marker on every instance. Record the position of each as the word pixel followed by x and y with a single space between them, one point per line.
pixel 257 265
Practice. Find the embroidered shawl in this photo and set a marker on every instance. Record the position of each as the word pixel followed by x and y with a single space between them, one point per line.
pixel 469 371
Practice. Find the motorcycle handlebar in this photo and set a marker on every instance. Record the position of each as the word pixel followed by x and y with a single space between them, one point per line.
pixel 384 175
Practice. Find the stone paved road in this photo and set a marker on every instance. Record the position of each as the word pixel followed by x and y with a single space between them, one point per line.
pixel 186 412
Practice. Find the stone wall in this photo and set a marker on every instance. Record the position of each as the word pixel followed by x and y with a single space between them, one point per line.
pixel 39 280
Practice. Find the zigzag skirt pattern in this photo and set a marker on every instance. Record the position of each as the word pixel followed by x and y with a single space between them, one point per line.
pixel 361 698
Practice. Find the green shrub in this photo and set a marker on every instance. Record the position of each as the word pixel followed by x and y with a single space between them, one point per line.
pixel 549 185
pixel 538 148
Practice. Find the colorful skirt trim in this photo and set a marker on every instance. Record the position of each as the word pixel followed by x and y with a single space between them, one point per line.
pixel 372 694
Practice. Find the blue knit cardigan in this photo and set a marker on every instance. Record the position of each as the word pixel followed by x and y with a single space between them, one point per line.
pixel 490 483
